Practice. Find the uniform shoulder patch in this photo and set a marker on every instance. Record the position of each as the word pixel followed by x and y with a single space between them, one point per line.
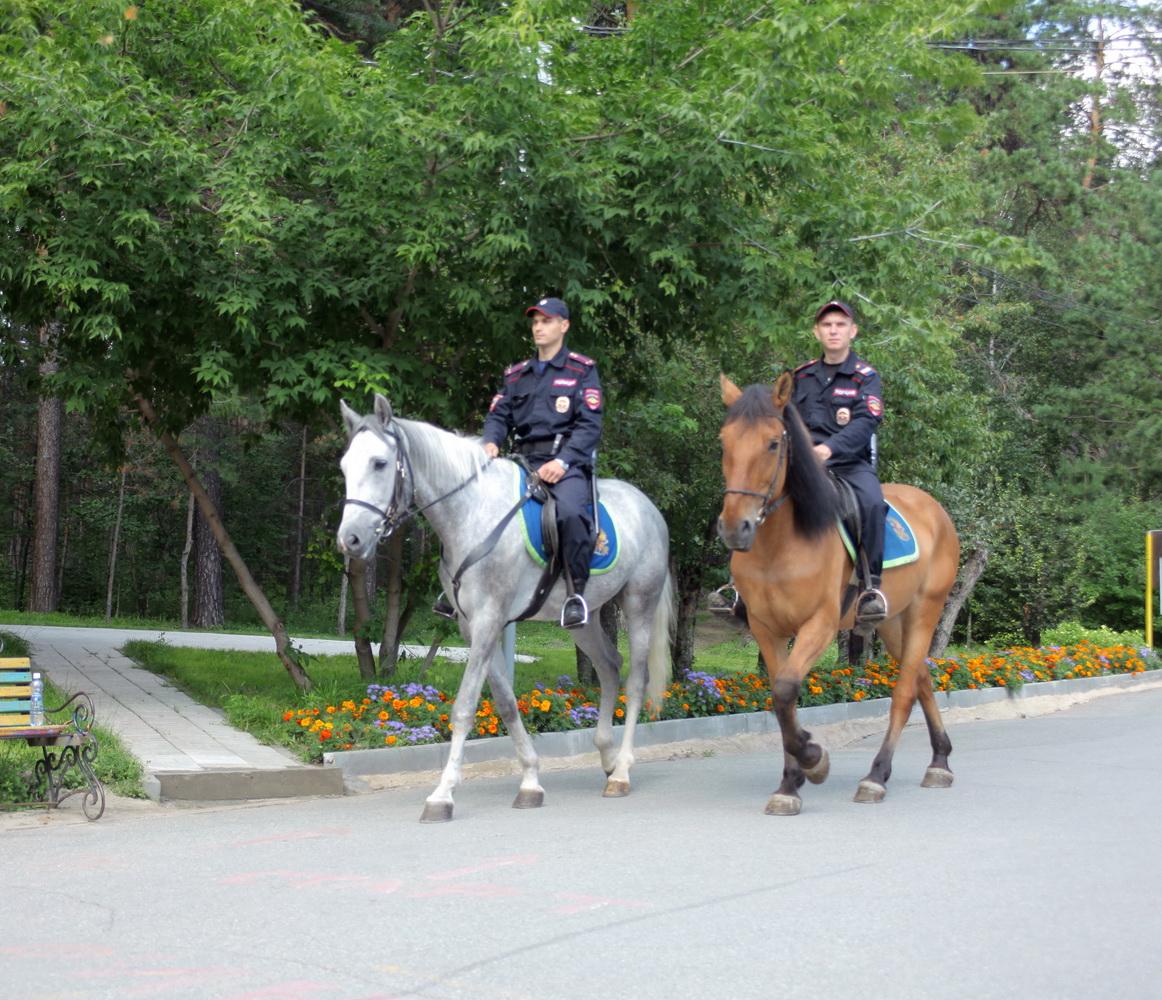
pixel 864 368
pixel 513 369
pixel 802 369
pixel 581 357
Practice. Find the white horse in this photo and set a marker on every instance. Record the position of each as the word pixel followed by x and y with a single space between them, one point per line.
pixel 394 468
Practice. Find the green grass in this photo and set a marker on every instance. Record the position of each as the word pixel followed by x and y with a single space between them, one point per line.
pixel 118 770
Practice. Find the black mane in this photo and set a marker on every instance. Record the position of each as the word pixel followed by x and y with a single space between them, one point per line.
pixel 816 504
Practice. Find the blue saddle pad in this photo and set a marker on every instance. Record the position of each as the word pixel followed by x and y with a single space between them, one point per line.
pixel 604 553
pixel 900 545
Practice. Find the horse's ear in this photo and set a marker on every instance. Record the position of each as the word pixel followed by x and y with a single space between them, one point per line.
pixel 350 417
pixel 730 391
pixel 382 409
pixel 782 394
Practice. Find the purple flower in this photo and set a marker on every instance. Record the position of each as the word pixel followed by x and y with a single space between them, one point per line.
pixel 1027 675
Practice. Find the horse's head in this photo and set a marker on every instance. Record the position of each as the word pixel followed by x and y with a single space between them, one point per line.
pixel 767 459
pixel 373 474
pixel 754 457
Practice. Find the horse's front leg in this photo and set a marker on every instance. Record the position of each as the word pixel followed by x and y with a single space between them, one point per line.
pixel 803 759
pixel 531 794
pixel 485 637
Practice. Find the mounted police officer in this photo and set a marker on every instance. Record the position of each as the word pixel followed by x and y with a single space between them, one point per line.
pixel 841 401
pixel 552 404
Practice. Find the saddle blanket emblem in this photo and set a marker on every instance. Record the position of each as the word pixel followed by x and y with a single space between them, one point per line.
pixel 900 545
pixel 605 551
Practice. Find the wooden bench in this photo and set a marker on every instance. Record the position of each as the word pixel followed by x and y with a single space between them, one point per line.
pixel 63 746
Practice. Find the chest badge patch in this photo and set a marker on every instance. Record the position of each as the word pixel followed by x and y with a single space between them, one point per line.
pixel 562 404
pixel 843 416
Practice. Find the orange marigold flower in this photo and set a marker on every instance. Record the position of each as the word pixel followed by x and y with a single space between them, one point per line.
pixel 287 716
pixel 324 734
pixel 620 713
pixel 383 716
pixel 391 740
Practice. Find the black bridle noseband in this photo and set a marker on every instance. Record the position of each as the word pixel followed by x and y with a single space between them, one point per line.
pixel 770 502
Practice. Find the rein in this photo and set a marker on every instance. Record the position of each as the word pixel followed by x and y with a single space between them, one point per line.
pixel 770 503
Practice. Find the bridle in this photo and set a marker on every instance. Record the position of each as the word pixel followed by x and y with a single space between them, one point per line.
pixel 770 502
pixel 401 509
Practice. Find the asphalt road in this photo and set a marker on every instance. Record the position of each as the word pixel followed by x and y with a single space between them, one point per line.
pixel 1036 876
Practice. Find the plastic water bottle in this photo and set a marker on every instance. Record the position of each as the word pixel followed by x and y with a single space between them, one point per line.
pixel 36 708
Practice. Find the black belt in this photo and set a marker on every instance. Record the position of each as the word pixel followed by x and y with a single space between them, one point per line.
pixel 544 446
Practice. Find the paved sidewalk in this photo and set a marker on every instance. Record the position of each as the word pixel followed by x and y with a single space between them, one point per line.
pixel 188 751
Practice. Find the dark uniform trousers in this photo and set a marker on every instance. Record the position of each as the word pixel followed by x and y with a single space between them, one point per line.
pixel 873 511
pixel 574 495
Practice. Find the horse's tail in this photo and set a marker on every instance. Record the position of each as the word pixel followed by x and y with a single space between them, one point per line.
pixel 661 639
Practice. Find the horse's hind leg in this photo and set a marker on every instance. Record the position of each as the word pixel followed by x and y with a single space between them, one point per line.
pixel 531 794
pixel 595 644
pixel 907 639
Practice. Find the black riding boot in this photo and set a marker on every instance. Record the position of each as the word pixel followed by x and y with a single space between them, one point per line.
pixel 871 607
pixel 443 607
pixel 574 612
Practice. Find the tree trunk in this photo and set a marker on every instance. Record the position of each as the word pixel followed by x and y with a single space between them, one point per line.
pixel 689 586
pixel 966 580
pixel 185 567
pixel 341 622
pixel 357 572
pixel 297 565
pixel 393 622
pixel 209 597
pixel 283 648
pixel 113 547
pixel 42 591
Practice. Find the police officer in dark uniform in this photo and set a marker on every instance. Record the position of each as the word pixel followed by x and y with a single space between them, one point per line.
pixel 552 403
pixel 841 401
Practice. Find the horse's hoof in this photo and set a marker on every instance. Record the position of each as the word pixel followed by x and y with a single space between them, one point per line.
pixel 870 791
pixel 783 805
pixel 529 798
pixel 618 789
pixel 937 777
pixel 436 812
pixel 818 774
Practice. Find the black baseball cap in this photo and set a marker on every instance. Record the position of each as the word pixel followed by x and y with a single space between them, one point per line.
pixel 549 307
pixel 834 305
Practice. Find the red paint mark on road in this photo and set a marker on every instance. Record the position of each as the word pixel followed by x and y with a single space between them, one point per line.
pixel 487 865
pixel 484 889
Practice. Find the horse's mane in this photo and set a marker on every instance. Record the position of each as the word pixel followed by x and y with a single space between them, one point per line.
pixel 434 450
pixel 816 504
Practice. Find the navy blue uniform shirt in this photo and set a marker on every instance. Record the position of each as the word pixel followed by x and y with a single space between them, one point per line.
pixel 842 405
pixel 563 399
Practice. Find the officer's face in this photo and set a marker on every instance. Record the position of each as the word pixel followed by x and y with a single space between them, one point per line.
pixel 549 334
pixel 835 331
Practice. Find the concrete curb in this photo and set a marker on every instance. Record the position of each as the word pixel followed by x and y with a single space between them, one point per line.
pixel 433 756
pixel 241 785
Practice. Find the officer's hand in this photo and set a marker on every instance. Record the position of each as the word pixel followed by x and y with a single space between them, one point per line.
pixel 491 450
pixel 822 451
pixel 552 471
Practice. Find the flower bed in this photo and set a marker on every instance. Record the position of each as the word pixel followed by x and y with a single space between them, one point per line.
pixel 410 714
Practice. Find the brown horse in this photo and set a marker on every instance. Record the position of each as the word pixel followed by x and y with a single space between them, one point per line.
pixel 792 570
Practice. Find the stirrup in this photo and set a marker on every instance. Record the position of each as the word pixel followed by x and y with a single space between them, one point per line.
pixel 574 612
pixel 443 607
pixel 871 608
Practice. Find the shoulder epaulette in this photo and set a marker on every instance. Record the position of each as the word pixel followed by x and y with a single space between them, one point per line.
pixel 805 365
pixel 581 357
pixel 513 369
